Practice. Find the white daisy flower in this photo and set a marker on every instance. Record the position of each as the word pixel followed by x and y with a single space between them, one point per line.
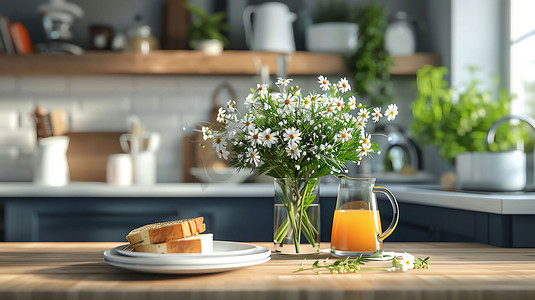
pixel 352 102
pixel 207 133
pixel 252 156
pixel 283 81
pixel 292 135
pixel 223 153
pixel 405 262
pixel 339 103
pixel 344 135
pixel 376 115
pixel 250 101
pixel 366 138
pixel 324 83
pixel 268 138
pixel 262 89
pixel 364 149
pixel 361 124
pixel 293 151
pixel 231 105
pixel 288 104
pixel 253 136
pixel 221 115
pixel 219 143
pixel 391 112
pixel 248 122
pixel 363 115
pixel 343 85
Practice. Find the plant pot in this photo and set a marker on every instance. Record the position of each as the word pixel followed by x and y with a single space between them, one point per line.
pixel 297 216
pixel 332 37
pixel 209 47
pixel 491 171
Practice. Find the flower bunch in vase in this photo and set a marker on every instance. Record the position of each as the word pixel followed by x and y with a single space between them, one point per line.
pixel 296 139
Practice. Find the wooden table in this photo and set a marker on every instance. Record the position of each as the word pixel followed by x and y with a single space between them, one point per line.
pixel 77 271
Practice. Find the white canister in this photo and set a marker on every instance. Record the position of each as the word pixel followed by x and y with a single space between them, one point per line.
pixel 120 170
pixel 400 38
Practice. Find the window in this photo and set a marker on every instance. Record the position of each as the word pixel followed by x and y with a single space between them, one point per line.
pixel 522 60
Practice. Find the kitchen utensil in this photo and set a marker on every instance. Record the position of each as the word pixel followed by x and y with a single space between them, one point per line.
pixel 356 228
pixel 42 123
pixel 50 162
pixel 272 29
pixel 119 169
pixel 57 122
pixel 143 150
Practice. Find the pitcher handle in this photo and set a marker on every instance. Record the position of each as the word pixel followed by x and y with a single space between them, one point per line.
pixel 395 215
pixel 247 13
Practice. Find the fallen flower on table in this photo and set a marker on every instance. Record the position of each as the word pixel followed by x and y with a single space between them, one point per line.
pixel 401 261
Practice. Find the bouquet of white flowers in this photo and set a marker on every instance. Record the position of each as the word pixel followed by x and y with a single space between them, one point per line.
pixel 286 134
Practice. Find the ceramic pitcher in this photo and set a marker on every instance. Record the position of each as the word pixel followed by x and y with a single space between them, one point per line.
pixel 357 224
pixel 272 30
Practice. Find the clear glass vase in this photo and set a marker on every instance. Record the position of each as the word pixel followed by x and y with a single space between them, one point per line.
pixel 297 216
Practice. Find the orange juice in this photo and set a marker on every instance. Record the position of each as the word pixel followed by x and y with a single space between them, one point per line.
pixel 356 230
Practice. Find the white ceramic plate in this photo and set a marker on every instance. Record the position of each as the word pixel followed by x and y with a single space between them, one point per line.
pixel 181 269
pixel 221 248
pixel 187 260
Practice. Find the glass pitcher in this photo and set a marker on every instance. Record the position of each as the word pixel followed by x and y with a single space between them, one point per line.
pixel 356 228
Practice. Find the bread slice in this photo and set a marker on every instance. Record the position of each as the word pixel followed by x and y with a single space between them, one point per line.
pixel 166 231
pixel 202 243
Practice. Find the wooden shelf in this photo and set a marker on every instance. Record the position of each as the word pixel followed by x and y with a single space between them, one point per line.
pixel 168 62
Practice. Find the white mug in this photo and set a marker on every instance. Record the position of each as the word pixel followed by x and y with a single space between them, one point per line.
pixel 119 170
pixel 144 168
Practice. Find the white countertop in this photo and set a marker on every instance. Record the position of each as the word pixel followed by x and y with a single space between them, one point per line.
pixel 497 203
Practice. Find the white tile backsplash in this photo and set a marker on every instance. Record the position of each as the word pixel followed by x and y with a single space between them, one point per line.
pixel 8 84
pixel 56 85
pixel 62 102
pixel 171 105
pixel 21 104
pixel 21 138
pixel 98 121
pixel 9 120
pixel 106 104
pixel 144 104
pixel 100 85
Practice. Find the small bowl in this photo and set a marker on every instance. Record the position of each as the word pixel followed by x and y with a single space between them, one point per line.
pixel 225 175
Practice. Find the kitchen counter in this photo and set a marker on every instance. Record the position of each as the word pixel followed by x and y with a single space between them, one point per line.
pixel 496 203
pixel 458 271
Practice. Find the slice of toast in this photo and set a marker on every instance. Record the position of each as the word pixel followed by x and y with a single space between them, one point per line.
pixel 166 231
pixel 202 243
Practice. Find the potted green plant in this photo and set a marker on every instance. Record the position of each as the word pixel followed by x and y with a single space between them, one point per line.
pixel 206 31
pixel 371 62
pixel 458 124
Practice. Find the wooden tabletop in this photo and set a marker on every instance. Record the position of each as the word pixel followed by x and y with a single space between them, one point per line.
pixel 78 271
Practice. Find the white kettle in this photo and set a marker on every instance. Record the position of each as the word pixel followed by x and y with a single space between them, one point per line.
pixel 272 27
pixel 50 162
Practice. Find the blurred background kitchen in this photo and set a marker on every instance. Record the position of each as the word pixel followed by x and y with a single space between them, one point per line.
pixel 104 71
